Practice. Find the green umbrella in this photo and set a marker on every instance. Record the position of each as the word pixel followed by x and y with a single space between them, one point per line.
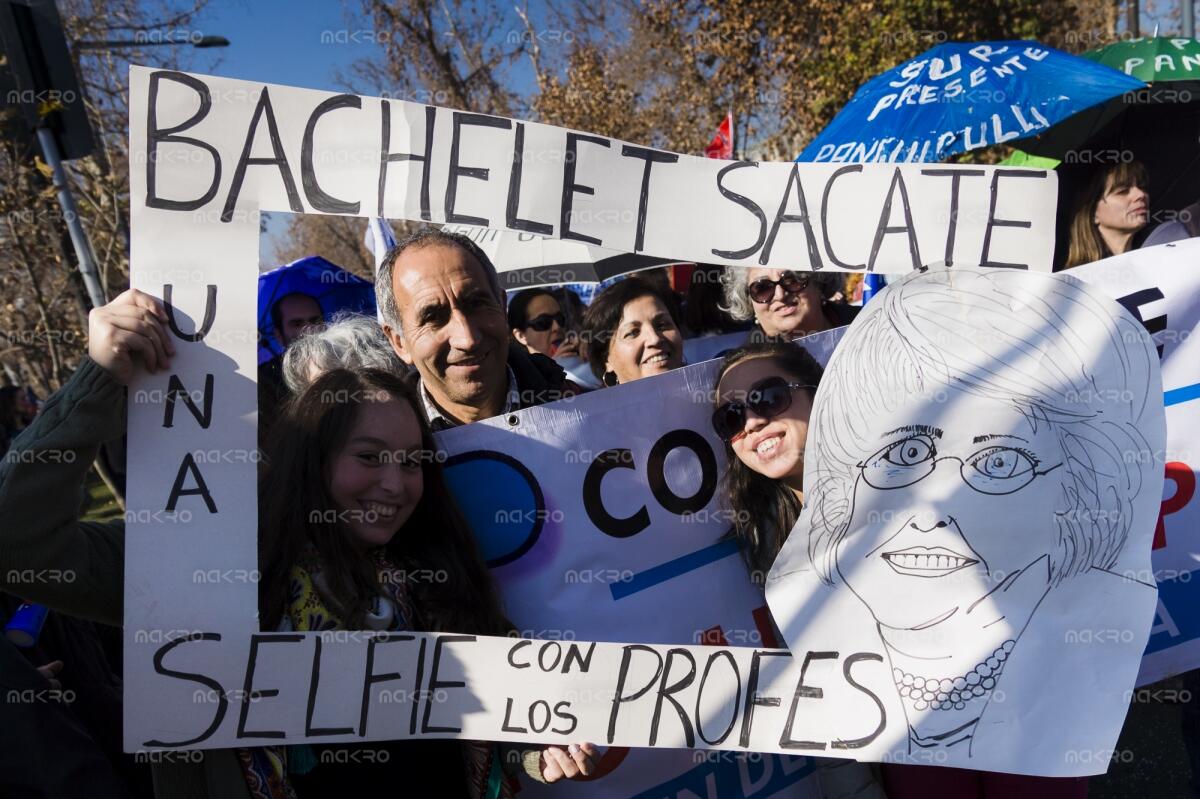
pixel 1161 117
pixel 1022 158
pixel 1154 60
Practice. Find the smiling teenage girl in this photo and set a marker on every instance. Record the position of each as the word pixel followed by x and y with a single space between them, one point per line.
pixel 358 532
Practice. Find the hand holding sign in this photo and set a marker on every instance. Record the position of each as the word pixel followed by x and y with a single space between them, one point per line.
pixel 133 323
pixel 574 761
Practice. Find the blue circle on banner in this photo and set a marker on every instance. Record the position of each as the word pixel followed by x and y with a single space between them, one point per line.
pixel 501 500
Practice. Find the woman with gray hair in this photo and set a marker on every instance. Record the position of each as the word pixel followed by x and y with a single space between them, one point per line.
pixel 350 341
pixel 785 303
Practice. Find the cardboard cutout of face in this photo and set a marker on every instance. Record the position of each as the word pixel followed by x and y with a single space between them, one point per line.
pixel 981 477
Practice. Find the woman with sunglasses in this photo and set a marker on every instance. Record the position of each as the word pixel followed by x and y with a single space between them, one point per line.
pixel 764 396
pixel 544 322
pixel 786 303
pixel 538 322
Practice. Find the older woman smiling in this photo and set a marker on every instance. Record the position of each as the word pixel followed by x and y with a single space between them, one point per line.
pixel 785 303
pixel 632 332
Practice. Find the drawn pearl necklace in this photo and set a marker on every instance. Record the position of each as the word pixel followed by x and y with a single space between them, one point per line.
pixel 953 694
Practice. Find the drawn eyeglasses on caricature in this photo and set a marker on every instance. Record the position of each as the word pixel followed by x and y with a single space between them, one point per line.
pixel 994 469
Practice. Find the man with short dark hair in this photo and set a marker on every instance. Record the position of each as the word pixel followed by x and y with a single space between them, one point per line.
pixel 443 311
pixel 294 315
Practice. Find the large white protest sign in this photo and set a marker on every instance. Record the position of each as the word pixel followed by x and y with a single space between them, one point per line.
pixel 982 479
pixel 1161 287
pixel 210 149
pixel 209 689
pixel 336 687
pixel 208 154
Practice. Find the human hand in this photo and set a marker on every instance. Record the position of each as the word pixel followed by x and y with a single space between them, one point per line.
pixel 568 347
pixel 50 672
pixel 133 323
pixel 574 761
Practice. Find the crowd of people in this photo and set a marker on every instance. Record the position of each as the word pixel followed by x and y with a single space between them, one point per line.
pixel 451 348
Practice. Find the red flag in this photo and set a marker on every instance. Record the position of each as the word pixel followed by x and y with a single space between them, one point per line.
pixel 722 144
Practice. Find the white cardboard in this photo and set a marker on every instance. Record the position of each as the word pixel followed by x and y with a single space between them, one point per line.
pixel 982 478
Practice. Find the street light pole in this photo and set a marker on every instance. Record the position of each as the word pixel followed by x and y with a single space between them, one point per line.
pixel 1133 18
pixel 66 201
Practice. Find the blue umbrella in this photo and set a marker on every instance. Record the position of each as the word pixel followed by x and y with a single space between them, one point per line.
pixel 962 96
pixel 332 287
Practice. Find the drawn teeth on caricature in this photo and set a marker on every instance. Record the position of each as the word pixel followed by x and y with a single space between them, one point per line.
pixel 926 561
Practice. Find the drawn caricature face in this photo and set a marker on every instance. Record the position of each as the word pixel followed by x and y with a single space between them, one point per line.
pixel 954 498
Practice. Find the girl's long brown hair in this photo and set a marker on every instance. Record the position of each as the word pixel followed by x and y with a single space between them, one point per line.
pixel 450 588
pixel 1086 243
pixel 764 510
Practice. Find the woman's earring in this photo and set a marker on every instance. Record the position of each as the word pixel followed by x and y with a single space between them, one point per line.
pixel 610 378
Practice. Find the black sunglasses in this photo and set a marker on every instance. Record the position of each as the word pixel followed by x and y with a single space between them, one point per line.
pixel 546 321
pixel 763 289
pixel 767 398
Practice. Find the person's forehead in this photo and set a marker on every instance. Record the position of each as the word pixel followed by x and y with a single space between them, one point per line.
pixel 542 303
pixel 299 305
pixel 437 269
pixel 1117 183
pixel 745 374
pixel 755 272
pixel 387 417
pixel 961 416
pixel 645 306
